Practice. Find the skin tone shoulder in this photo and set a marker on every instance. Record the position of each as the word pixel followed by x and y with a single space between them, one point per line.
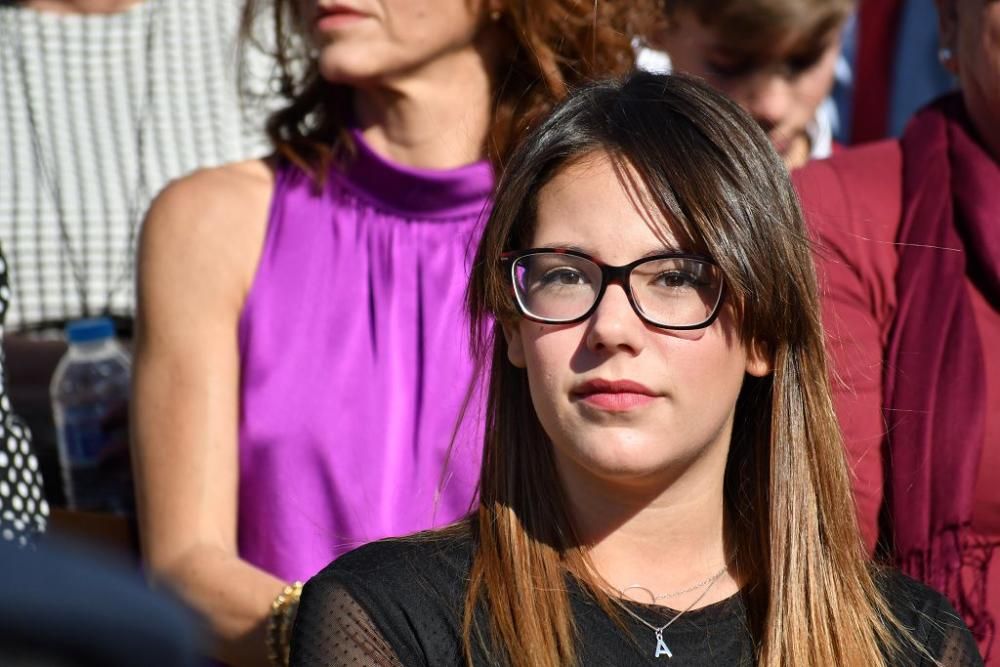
pixel 420 78
pixel 781 88
pixel 640 417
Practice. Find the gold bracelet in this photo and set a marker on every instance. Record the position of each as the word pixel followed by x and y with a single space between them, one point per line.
pixel 279 623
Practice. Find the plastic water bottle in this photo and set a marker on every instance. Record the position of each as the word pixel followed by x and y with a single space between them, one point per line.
pixel 90 392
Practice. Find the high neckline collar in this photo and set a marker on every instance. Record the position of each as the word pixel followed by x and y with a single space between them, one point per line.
pixel 412 191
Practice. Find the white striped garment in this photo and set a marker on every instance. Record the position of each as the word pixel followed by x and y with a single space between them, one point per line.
pixel 93 83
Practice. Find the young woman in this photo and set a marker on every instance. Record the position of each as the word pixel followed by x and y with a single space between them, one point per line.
pixel 663 477
pixel 775 57
pixel 300 363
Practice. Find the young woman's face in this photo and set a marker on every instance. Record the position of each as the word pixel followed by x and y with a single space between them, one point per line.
pixel 781 89
pixel 362 41
pixel 686 382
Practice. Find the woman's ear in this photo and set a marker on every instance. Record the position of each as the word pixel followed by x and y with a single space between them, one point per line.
pixel 948 34
pixel 760 360
pixel 515 346
pixel 496 9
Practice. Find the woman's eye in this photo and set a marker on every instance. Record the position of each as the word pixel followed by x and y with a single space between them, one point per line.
pixel 803 63
pixel 678 279
pixel 729 69
pixel 564 275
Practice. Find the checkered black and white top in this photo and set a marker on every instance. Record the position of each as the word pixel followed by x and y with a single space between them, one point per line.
pixel 97 114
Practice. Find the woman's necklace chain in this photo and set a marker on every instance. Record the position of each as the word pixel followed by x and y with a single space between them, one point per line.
pixel 134 198
pixel 661 645
pixel 666 596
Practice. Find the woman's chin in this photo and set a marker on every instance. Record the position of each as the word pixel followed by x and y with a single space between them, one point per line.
pixel 628 463
pixel 638 461
pixel 346 71
pixel 796 152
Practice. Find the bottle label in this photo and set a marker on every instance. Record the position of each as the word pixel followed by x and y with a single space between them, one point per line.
pixel 95 442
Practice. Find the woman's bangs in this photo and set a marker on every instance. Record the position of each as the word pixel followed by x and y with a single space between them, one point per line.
pixel 694 199
pixel 656 202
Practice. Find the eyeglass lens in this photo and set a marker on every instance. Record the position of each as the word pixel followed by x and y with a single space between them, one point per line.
pixel 673 291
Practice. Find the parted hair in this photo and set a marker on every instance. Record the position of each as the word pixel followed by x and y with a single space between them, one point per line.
pixel 694 160
pixel 551 46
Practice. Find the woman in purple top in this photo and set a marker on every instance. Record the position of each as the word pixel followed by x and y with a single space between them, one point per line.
pixel 300 359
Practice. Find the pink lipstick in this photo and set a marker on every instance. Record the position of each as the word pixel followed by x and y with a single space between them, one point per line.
pixel 336 15
pixel 614 395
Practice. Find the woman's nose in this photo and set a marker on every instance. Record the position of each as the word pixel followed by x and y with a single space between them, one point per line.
pixel 614 325
pixel 770 100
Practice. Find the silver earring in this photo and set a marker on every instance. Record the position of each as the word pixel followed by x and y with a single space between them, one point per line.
pixel 945 55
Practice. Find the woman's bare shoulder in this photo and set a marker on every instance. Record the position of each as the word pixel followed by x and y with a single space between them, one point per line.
pixel 217 195
pixel 210 224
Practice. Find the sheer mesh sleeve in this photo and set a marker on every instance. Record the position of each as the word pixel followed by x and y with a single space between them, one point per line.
pixel 332 629
pixel 935 635
pixel 958 648
pixel 945 634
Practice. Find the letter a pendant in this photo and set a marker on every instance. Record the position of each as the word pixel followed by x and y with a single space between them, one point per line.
pixel 661 646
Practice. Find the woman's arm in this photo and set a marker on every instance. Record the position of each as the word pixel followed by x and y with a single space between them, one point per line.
pixel 198 253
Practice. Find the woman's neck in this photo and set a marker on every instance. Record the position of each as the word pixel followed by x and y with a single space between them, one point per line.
pixel 79 6
pixel 436 118
pixel 661 540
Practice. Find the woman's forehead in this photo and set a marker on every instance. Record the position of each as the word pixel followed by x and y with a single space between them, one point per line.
pixel 591 206
pixel 760 40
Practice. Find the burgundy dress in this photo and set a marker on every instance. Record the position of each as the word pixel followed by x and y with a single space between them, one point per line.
pixel 854 205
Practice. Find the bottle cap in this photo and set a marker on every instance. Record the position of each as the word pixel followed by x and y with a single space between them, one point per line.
pixel 86 331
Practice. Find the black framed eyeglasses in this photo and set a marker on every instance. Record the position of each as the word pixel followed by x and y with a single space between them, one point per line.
pixel 672 290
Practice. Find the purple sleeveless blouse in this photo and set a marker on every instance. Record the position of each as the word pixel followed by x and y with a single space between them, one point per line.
pixel 355 363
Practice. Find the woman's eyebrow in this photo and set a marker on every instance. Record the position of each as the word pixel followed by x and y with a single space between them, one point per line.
pixel 653 252
pixel 662 250
pixel 566 246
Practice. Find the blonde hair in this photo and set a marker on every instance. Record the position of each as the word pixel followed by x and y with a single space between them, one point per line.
pixel 810 596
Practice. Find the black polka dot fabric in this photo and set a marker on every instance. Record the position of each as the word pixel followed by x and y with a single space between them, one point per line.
pixel 23 509
pixel 343 635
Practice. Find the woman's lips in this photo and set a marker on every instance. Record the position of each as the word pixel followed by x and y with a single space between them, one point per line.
pixel 614 395
pixel 622 402
pixel 337 16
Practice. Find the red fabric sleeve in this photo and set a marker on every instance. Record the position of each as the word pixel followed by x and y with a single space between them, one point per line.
pixel 852 205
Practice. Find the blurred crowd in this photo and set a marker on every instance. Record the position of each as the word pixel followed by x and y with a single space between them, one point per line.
pixel 276 204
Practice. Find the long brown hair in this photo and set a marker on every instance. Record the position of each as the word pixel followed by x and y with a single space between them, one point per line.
pixel 709 170
pixel 551 47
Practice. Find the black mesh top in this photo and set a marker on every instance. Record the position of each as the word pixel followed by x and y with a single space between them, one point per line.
pixel 399 602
